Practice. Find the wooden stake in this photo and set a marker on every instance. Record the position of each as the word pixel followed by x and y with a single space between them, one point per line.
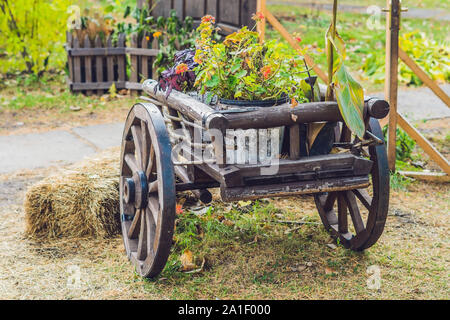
pixel 285 34
pixel 261 25
pixel 424 144
pixel 330 58
pixel 391 82
pixel 424 77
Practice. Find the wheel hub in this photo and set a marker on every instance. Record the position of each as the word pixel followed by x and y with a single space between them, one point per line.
pixel 135 190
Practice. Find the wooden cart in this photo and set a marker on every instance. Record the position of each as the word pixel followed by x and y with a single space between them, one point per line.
pixel 352 183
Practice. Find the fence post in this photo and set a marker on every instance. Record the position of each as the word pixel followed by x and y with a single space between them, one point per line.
pixel 261 25
pixel 391 76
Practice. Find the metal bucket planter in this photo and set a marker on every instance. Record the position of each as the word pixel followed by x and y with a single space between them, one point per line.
pixel 253 146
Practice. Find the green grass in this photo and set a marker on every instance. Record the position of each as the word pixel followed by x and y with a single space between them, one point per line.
pixel 360 41
pixel 426 4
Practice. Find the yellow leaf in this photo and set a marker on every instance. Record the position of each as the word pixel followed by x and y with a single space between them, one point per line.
pixel 187 261
pixel 244 203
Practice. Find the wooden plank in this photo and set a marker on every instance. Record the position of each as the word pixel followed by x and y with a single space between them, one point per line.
pixel 96 52
pixel 100 86
pixel 88 64
pixel 76 62
pixel 155 46
pixel 98 64
pixel 142 51
pixel 424 77
pixel 424 144
pixel 195 9
pixel 285 34
pixel 325 163
pixel 69 40
pixel 294 142
pixel 134 61
pixel 293 188
pixel 187 105
pixel 143 58
pixel 391 78
pixel 121 60
pixel 439 177
pixel 110 62
pixel 248 9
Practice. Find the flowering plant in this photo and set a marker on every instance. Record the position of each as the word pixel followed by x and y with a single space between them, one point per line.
pixel 243 68
pixel 180 76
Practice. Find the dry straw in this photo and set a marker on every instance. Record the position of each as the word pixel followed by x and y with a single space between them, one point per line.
pixel 81 201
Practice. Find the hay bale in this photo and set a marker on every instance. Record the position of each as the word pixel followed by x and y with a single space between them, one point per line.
pixel 81 201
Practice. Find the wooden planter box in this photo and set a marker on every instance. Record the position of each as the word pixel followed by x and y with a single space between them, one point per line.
pixel 95 65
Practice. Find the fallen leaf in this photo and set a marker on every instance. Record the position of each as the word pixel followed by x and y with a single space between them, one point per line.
pixel 331 245
pixel 228 223
pixel 244 203
pixel 187 261
pixel 329 271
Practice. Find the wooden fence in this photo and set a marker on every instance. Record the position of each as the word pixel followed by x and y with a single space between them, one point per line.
pixel 230 15
pixel 95 65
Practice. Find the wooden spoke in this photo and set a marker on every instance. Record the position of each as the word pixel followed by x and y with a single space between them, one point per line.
pixel 342 214
pixel 151 229
pixel 135 225
pixel 131 162
pixel 143 238
pixel 329 202
pixel 153 186
pixel 137 138
pixel 354 212
pixel 145 144
pixel 151 162
pixel 364 197
pixel 367 230
pixel 153 206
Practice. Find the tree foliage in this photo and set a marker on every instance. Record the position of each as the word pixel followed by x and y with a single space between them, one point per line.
pixel 32 35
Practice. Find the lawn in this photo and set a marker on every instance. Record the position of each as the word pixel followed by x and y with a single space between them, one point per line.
pixel 425 4
pixel 361 42
pixel 247 253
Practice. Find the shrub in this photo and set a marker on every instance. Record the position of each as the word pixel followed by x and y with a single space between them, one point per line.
pixel 32 35
pixel 431 56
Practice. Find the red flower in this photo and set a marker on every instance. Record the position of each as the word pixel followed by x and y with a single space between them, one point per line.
pixel 179 209
pixel 182 68
pixel 258 16
pixel 208 18
pixel 298 39
pixel 266 71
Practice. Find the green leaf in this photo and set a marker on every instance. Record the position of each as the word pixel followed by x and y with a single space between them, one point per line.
pixel 241 74
pixel 213 82
pixel 350 98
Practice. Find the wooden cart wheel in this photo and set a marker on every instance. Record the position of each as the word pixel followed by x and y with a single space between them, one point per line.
pixel 367 208
pixel 147 190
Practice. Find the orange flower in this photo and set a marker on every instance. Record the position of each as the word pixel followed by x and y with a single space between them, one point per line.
pixel 294 103
pixel 157 34
pixel 181 68
pixel 208 18
pixel 179 209
pixel 147 38
pixel 259 16
pixel 266 71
